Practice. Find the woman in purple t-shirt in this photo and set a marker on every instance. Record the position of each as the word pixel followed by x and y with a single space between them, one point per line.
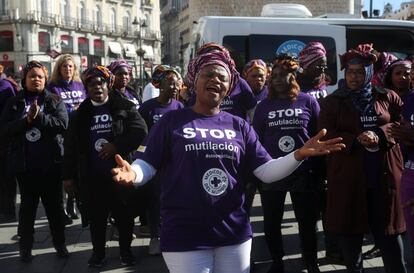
pixel 201 154
pixel 122 71
pixel 284 122
pixel 66 83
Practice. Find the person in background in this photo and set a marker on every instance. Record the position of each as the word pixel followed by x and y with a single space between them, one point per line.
pixel 313 78
pixel 152 111
pixel 284 122
pixel 255 74
pixel 380 67
pixel 66 83
pixel 364 178
pixel 8 89
pixel 151 90
pixel 103 125
pixel 200 152
pixel 122 71
pixel 29 124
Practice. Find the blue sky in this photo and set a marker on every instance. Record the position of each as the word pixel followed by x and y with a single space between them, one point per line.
pixel 379 4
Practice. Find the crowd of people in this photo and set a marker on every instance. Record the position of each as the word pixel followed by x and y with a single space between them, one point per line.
pixel 188 154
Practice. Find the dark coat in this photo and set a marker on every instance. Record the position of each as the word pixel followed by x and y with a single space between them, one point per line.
pixel 13 126
pixel 347 186
pixel 128 129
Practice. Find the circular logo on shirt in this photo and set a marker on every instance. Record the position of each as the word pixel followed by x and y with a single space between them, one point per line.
pixel 99 143
pixel 33 134
pixel 286 144
pixel 215 181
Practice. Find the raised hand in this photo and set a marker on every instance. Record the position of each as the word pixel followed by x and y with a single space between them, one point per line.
pixel 368 139
pixel 123 173
pixel 316 147
pixel 33 111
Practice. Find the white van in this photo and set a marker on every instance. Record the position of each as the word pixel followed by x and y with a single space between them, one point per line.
pixel 262 37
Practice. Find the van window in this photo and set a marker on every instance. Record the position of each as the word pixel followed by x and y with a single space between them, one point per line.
pixel 237 45
pixel 258 46
pixel 398 41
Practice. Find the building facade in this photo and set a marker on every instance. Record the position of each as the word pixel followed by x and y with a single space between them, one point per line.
pixel 178 17
pixel 406 11
pixel 94 31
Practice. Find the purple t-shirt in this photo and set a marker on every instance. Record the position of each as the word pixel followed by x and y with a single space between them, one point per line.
pixel 6 92
pixel 72 93
pixel 317 92
pixel 262 95
pixel 240 100
pixel 408 116
pixel 201 161
pixel 37 148
pixel 100 133
pixel 152 110
pixel 284 125
pixel 128 94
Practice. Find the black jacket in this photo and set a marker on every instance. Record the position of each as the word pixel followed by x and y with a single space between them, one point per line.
pixel 128 129
pixel 13 126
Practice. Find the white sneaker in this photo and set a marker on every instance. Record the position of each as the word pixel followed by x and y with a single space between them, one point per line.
pixel 154 246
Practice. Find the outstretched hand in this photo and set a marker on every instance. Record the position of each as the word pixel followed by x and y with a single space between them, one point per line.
pixel 123 173
pixel 316 147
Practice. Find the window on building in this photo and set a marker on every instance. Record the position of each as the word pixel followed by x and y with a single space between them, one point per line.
pixel 148 21
pixel 126 20
pixel 65 9
pixel 113 19
pixel 67 44
pixel 82 12
pixel 44 41
pixel 4 7
pixel 98 47
pixel 83 45
pixel 97 15
pixel 6 41
pixel 43 7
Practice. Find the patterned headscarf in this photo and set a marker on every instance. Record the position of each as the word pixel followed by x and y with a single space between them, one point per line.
pixel 157 74
pixel 288 62
pixel 212 58
pixel 114 66
pixel 380 67
pixel 256 63
pixel 311 53
pixel 167 72
pixel 98 72
pixel 29 66
pixel 364 53
pixel 211 46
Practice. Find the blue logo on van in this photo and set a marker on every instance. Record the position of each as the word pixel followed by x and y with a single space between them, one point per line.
pixel 291 46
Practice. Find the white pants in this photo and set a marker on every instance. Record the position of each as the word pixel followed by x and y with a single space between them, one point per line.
pixel 226 259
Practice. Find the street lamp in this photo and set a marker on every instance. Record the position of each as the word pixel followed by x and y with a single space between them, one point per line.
pixel 140 51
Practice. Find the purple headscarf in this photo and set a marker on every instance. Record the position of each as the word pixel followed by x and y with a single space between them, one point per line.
pixel 212 58
pixel 114 66
pixel 310 53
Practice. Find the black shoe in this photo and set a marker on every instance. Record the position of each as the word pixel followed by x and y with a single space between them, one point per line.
pixel 96 260
pixel 127 258
pixel 67 220
pixel 334 257
pixel 372 253
pixel 62 251
pixel 26 255
pixel 313 268
pixel 277 267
